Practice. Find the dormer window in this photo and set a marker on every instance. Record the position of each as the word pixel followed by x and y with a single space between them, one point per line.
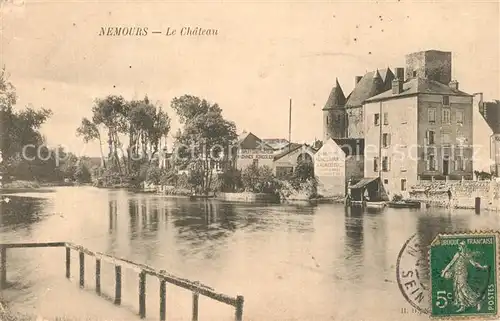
pixel 446 100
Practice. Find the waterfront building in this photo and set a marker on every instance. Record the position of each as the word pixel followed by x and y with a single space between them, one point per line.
pixel 276 143
pixel 285 162
pixel 421 128
pixel 487 130
pixel 343 116
pixel 337 163
pixel 252 150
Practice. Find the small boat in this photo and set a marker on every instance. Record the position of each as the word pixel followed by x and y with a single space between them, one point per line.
pixel 404 204
pixel 375 204
pixel 368 204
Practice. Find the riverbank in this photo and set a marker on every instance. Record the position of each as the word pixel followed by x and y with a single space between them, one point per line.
pixel 458 194
pixel 24 187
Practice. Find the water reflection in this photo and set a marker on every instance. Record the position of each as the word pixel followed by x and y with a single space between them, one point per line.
pixel 294 259
pixel 21 212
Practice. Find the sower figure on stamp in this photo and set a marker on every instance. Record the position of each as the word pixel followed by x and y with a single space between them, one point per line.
pixel 464 295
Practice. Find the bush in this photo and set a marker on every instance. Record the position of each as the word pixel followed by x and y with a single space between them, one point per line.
pixel 397 198
pixel 259 179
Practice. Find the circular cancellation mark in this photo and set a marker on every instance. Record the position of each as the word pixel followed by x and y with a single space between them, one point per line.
pixel 412 273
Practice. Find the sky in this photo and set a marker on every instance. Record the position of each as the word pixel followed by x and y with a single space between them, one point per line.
pixel 264 54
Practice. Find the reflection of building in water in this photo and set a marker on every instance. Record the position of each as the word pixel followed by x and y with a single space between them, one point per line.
pixel 354 229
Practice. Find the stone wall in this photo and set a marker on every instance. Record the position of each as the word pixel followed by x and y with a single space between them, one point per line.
pixel 247 197
pixel 463 193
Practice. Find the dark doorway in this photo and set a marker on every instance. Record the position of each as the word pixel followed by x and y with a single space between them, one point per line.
pixel 445 167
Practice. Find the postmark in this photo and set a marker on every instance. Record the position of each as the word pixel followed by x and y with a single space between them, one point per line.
pixel 464 275
pixel 412 273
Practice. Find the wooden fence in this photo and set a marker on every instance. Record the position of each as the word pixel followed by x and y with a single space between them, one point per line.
pixel 196 288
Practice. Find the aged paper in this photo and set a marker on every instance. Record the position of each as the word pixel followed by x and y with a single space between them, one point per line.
pixel 249 160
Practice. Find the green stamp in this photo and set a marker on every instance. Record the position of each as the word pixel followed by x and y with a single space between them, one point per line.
pixel 464 275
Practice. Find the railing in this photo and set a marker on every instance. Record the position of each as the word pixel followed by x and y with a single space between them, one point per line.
pixel 195 287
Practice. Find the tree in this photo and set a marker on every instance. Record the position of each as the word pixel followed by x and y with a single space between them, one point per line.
pixel 82 173
pixel 304 171
pixel 21 139
pixel 258 179
pixel 90 132
pixel 205 139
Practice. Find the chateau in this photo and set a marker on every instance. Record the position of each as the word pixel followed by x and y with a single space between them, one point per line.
pixel 416 122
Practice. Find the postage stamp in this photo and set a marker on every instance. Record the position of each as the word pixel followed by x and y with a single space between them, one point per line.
pixel 464 275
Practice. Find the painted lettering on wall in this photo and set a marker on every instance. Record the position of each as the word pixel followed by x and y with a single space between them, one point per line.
pixel 329 164
pixel 255 154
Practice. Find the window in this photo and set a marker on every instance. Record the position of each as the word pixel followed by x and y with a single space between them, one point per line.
pixel 446 116
pixel 403 184
pixel 431 163
pixel 429 136
pixel 339 118
pixel 446 100
pixel 376 119
pixel 386 140
pixel 255 162
pixel 375 164
pixel 386 164
pixel 327 120
pixel 432 115
pixel 459 163
pixel 414 73
pixel 459 115
pixel 446 138
pixel 386 181
pixel 386 118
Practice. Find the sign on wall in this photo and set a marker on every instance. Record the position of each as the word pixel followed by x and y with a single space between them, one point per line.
pixel 255 154
pixel 329 163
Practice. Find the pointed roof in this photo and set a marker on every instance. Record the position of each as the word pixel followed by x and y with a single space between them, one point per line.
pixel 371 84
pixel 420 86
pixel 291 148
pixel 336 98
pixel 250 141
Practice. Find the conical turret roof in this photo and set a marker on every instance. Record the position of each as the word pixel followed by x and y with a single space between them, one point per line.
pixel 336 99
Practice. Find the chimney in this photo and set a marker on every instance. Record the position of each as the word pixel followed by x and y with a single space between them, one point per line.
pixel 399 73
pixel 357 79
pixel 397 86
pixel 453 84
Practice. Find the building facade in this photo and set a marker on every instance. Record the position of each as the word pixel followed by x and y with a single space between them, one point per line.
pixel 252 150
pixel 421 128
pixel 287 160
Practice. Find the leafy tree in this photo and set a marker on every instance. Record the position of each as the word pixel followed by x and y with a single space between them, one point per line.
pixel 304 171
pixel 20 135
pixel 205 138
pixel 89 131
pixel 258 179
pixel 82 173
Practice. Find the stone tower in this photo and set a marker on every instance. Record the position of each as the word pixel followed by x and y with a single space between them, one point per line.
pixel 334 114
pixel 430 64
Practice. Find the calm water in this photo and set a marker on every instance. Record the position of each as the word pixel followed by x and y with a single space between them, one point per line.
pixel 291 262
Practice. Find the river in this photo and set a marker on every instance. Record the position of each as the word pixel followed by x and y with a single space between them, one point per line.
pixel 290 262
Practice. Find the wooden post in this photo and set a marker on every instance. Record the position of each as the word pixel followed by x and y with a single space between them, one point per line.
pixel 3 281
pixel 195 306
pixel 142 294
pixel 118 284
pixel 68 262
pixel 82 269
pixel 163 300
pixel 239 308
pixel 98 276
